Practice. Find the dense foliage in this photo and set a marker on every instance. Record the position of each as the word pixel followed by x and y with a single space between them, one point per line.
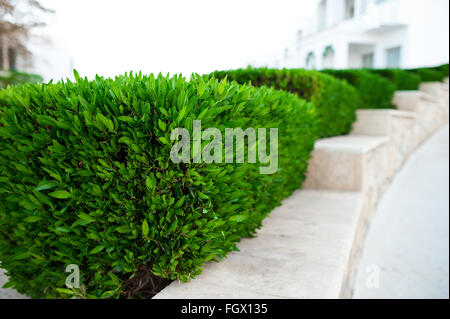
pixel 429 74
pixel 336 101
pixel 443 69
pixel 375 92
pixel 403 80
pixel 86 177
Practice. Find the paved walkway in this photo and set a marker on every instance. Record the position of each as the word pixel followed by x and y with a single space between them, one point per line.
pixel 7 293
pixel 408 240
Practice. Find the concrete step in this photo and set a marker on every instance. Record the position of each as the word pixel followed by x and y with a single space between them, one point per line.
pixel 381 122
pixel 304 250
pixel 431 113
pixel 439 90
pixel 395 124
pixel 350 163
pixel 434 88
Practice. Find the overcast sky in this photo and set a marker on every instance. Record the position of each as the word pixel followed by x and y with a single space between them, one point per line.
pixel 109 37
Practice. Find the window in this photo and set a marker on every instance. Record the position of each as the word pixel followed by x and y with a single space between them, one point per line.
pixel 367 60
pixel 393 56
pixel 8 59
pixel 322 15
pixel 311 61
pixel 12 59
pixel 349 9
pixel 328 58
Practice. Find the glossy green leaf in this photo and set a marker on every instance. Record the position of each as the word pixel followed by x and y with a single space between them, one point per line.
pixel 60 194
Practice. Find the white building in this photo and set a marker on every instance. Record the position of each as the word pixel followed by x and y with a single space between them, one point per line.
pixel 374 34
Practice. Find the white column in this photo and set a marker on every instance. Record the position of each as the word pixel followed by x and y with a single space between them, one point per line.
pixel 359 6
pixel 335 11
pixel 379 56
pixel 341 54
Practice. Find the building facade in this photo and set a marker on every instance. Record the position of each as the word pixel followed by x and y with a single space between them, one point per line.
pixel 372 34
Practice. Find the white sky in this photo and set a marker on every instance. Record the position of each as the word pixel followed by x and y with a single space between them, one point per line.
pixel 110 37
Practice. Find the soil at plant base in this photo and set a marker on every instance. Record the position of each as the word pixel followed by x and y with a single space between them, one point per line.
pixel 144 285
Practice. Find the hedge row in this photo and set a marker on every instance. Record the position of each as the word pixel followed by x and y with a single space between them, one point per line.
pixel 374 91
pixel 429 74
pixel 86 178
pixel 402 79
pixel 444 69
pixel 335 100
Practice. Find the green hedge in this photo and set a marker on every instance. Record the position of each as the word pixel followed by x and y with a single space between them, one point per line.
pixel 335 100
pixel 86 178
pixel 14 78
pixel 443 69
pixel 429 74
pixel 402 79
pixel 375 91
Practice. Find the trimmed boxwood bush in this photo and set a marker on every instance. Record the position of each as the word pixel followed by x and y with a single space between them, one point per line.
pixel 443 69
pixel 402 79
pixel 335 100
pixel 375 92
pixel 86 178
pixel 428 74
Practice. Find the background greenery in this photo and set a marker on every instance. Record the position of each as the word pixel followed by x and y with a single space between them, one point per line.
pixel 375 92
pixel 402 79
pixel 336 101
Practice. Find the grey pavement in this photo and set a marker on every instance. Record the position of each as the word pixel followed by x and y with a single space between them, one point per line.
pixel 406 253
pixel 7 293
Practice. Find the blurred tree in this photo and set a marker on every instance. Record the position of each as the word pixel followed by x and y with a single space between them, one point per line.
pixel 17 19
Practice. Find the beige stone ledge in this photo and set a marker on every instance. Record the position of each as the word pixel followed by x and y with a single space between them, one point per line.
pixel 397 126
pixel 380 122
pixel 430 111
pixel 438 90
pixel 347 163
